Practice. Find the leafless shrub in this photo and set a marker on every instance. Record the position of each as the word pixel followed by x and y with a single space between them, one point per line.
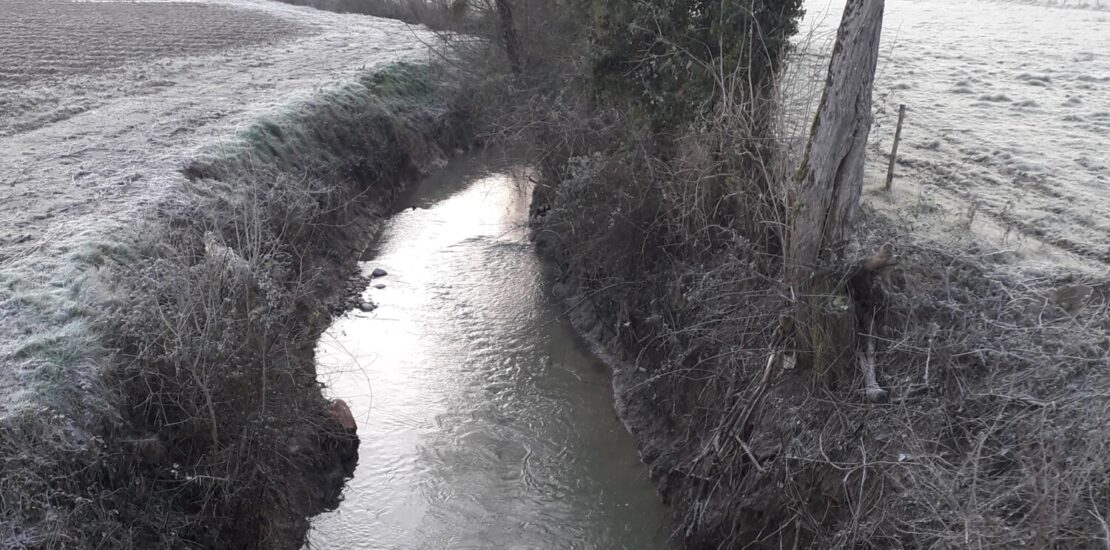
pixel 215 343
pixel 994 431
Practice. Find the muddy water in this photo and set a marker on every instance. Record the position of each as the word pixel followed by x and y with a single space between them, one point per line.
pixel 485 422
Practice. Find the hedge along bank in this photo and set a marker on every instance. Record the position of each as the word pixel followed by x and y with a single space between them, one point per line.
pixel 993 431
pixel 198 420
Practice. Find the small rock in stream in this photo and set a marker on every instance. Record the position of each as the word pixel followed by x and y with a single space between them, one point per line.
pixel 379 286
pixel 339 411
pixel 379 272
pixel 367 307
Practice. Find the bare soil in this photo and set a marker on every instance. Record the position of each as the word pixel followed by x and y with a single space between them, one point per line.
pixel 51 49
pixel 41 40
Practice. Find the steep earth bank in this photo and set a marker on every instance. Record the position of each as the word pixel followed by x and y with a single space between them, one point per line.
pixel 138 168
pixel 202 425
pixel 994 376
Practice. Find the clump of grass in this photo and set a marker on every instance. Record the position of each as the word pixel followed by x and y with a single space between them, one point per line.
pixel 339 134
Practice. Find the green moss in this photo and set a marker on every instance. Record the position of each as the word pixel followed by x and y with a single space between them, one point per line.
pixel 401 81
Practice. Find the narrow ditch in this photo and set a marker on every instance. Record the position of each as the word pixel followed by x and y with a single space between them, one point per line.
pixel 484 421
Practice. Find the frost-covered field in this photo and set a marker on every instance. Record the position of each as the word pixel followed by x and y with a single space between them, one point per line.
pixel 1008 122
pixel 101 104
pixel 51 47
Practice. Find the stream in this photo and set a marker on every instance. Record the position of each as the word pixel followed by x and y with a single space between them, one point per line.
pixel 485 422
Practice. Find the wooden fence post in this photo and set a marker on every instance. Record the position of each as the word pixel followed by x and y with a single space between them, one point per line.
pixel 894 150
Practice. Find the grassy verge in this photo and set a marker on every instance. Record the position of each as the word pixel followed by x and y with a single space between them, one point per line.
pixel 202 425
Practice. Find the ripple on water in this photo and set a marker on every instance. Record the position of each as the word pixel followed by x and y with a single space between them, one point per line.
pixel 491 426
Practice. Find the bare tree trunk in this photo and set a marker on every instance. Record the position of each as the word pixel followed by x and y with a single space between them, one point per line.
pixel 509 38
pixel 831 176
pixel 830 182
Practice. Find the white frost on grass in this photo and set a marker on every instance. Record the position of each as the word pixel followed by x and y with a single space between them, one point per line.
pixel 1008 110
pixel 73 190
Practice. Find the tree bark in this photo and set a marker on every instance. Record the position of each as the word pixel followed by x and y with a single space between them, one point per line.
pixel 509 38
pixel 831 176
pixel 830 182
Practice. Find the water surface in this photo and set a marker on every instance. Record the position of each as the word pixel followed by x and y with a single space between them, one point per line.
pixel 485 422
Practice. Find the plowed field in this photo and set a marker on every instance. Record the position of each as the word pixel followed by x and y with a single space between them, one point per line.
pixel 51 51
pixel 40 40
